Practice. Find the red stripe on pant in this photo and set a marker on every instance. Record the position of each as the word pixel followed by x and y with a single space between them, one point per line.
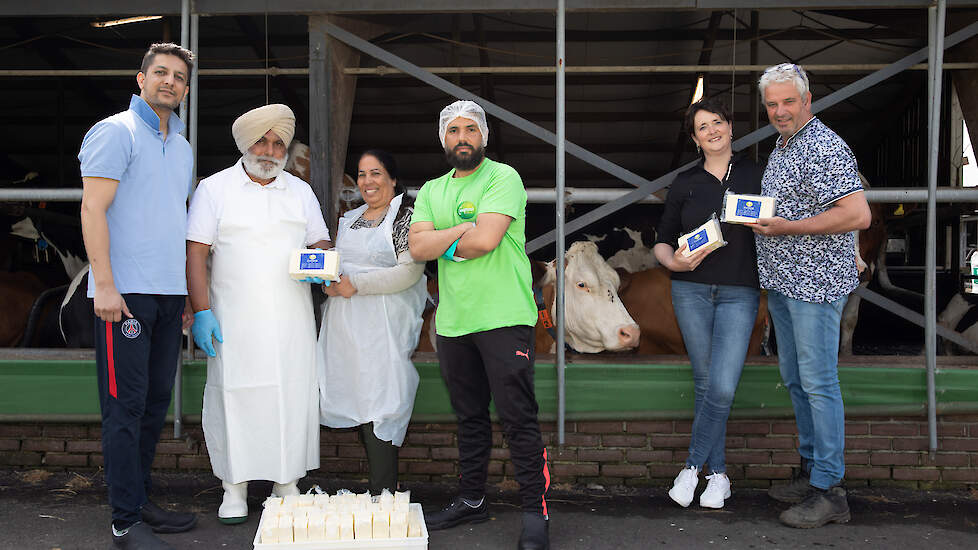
pixel 110 359
pixel 546 477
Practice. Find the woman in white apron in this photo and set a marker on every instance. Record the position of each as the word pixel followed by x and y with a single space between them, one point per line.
pixel 372 321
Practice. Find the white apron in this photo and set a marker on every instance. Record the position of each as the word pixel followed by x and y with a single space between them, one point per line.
pixel 366 342
pixel 260 401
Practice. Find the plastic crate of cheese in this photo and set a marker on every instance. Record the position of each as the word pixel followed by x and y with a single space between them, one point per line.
pixel 344 521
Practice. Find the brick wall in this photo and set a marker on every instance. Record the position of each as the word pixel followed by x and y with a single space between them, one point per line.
pixel 879 451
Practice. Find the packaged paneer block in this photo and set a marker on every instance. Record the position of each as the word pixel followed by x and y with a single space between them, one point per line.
pixel 704 237
pixel 363 527
pixel 399 525
pixel 332 526
pixel 269 528
pixel 324 264
pixel 300 528
pixel 317 526
pixel 414 523
pixel 346 527
pixel 382 524
pixel 739 208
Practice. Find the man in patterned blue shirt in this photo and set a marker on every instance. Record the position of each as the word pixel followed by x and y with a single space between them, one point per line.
pixel 806 261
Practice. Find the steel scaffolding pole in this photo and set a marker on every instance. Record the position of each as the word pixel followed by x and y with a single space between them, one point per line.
pixel 559 208
pixel 178 382
pixel 935 17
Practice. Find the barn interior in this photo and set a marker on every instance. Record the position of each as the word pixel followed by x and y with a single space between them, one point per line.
pixel 633 68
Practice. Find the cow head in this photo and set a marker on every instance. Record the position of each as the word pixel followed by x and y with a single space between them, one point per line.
pixel 595 318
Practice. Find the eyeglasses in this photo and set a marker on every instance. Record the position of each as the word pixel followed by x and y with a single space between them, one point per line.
pixel 785 67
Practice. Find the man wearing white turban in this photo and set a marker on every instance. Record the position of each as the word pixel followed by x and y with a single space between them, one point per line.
pixel 472 220
pixel 261 400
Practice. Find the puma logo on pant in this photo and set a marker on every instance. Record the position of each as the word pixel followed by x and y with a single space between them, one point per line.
pixel 525 354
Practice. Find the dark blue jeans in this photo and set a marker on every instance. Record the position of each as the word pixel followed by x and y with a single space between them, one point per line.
pixel 716 322
pixel 808 356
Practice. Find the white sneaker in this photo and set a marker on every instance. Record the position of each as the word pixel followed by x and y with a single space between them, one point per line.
pixel 234 507
pixel 684 485
pixel 285 489
pixel 717 490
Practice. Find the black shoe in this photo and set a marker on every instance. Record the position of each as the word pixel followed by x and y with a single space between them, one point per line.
pixel 165 521
pixel 819 508
pixel 536 532
pixel 795 490
pixel 457 513
pixel 139 537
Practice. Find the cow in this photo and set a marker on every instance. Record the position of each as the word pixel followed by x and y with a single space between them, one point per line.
pixel 19 290
pixel 595 319
pixel 628 251
pixel 869 245
pixel 958 314
pixel 648 297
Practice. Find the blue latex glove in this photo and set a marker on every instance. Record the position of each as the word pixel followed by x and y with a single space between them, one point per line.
pixel 314 280
pixel 204 328
pixel 450 253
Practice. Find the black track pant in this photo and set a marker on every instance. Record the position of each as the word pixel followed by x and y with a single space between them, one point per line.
pixel 498 365
pixel 136 360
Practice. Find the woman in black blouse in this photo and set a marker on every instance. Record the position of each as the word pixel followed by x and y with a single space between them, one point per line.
pixel 714 293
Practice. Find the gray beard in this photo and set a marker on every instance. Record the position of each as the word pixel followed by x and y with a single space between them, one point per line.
pixel 258 169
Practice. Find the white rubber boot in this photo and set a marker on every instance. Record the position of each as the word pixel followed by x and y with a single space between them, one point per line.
pixel 234 507
pixel 286 489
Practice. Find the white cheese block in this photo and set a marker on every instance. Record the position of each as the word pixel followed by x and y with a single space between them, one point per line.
pixel 414 524
pixel 290 501
pixel 285 528
pixel 321 500
pixel 386 500
pixel 324 264
pixel 307 500
pixel 399 525
pixel 704 237
pixel 402 497
pixel 332 527
pixel 382 524
pixel 269 528
pixel 317 526
pixel 300 528
pixel 363 525
pixel 746 208
pixel 346 527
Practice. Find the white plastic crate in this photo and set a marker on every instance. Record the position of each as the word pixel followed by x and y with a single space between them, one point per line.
pixel 409 543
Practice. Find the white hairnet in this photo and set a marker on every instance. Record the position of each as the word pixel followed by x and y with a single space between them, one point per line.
pixel 464 109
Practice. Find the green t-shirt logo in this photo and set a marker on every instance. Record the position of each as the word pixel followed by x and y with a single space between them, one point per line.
pixel 466 210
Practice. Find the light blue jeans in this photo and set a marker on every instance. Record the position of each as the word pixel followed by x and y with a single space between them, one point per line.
pixel 808 355
pixel 716 322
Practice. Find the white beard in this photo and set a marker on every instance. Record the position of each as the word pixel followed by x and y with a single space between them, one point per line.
pixel 255 166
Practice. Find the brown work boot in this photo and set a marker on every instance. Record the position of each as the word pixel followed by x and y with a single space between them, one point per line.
pixel 795 490
pixel 819 508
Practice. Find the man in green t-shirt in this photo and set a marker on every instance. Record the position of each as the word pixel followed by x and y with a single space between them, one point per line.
pixel 472 220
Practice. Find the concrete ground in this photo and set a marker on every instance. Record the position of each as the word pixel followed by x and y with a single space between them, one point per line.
pixel 43 510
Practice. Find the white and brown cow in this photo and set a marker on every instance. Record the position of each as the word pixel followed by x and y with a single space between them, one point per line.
pixel 595 319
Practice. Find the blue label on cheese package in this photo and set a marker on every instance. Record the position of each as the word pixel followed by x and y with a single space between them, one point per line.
pixel 748 208
pixel 316 260
pixel 697 240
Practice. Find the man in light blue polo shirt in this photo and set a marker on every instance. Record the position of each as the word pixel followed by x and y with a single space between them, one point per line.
pixel 137 172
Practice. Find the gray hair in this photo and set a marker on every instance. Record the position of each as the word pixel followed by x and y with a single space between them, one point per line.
pixel 785 72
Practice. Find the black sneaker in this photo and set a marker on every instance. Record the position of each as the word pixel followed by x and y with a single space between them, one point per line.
pixel 457 513
pixel 165 521
pixel 819 508
pixel 139 537
pixel 536 532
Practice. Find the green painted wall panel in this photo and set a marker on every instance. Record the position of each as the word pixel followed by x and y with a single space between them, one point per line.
pixel 593 390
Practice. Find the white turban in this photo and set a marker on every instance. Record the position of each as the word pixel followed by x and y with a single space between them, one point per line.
pixel 251 126
pixel 464 109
